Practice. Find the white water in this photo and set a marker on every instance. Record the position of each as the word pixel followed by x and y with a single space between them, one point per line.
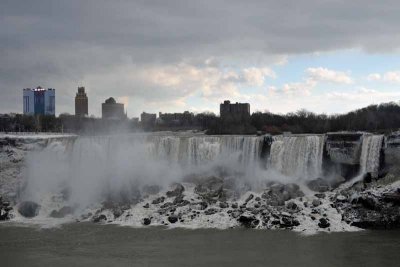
pixel 297 156
pixel 94 168
pixel 370 154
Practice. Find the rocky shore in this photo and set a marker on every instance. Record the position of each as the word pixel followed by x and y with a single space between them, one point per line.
pixel 213 202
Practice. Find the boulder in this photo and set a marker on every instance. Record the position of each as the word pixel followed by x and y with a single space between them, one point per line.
pixel 64 211
pixel 28 209
pixel 288 222
pixel 291 206
pixel 248 221
pixel 223 205
pixel 210 211
pixel 176 190
pixel 210 188
pixel 158 200
pixel 146 221
pixel 277 194
pixel 318 185
pixel 323 223
pixel 173 218
pixel 99 218
pixel 316 202
pixel 250 197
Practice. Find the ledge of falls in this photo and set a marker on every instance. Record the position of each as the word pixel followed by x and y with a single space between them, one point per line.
pixel 301 182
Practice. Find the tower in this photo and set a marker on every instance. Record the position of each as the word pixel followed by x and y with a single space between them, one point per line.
pixel 81 103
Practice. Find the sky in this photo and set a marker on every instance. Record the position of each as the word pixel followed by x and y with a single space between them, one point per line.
pixel 326 56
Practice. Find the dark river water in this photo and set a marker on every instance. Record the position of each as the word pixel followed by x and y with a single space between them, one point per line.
pixel 100 245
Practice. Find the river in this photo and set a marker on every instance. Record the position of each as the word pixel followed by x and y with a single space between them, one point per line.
pixel 86 244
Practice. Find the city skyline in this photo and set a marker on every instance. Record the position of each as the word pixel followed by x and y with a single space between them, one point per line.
pixel 175 57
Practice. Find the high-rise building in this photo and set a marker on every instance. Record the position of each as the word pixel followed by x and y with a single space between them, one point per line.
pixel 113 110
pixel 81 103
pixel 39 101
pixel 148 119
pixel 234 112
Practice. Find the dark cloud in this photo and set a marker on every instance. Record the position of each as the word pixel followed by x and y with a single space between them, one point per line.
pixel 62 43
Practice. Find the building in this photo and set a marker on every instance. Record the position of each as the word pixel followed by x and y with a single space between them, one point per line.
pixel 185 118
pixel 234 112
pixel 39 101
pixel 148 119
pixel 81 103
pixel 110 109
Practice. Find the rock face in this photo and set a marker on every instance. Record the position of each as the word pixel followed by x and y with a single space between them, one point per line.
pixel 344 148
pixel 371 210
pixel 28 209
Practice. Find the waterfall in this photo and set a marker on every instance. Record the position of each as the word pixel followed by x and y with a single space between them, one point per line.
pixel 297 156
pixel 370 154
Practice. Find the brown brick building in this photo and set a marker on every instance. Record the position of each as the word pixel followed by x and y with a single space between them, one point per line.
pixel 81 103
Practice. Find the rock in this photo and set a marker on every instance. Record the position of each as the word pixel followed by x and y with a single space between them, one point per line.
pixel 178 199
pixel 277 194
pixel 99 218
pixel 248 221
pixel 369 202
pixel 316 202
pixel 341 198
pixel 210 188
pixel 287 222
pixel 235 214
pixel 146 221
pixel 173 218
pixel 291 205
pixel 320 195
pixel 28 209
pixel 167 205
pixel 210 211
pixel 234 206
pixel 323 223
pixel 250 197
pixel 64 211
pixel 223 205
pixel 392 197
pixel 177 189
pixel 146 206
pixel 201 205
pixel 158 200
pixel 318 185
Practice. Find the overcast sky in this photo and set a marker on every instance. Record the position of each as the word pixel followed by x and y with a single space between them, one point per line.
pixel 327 56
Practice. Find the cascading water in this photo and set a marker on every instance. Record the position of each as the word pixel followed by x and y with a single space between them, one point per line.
pixel 297 156
pixel 370 154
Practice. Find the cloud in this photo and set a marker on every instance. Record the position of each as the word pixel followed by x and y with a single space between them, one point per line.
pixel 326 75
pixel 64 44
pixel 313 77
pixel 256 76
pixel 374 77
pixel 392 76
